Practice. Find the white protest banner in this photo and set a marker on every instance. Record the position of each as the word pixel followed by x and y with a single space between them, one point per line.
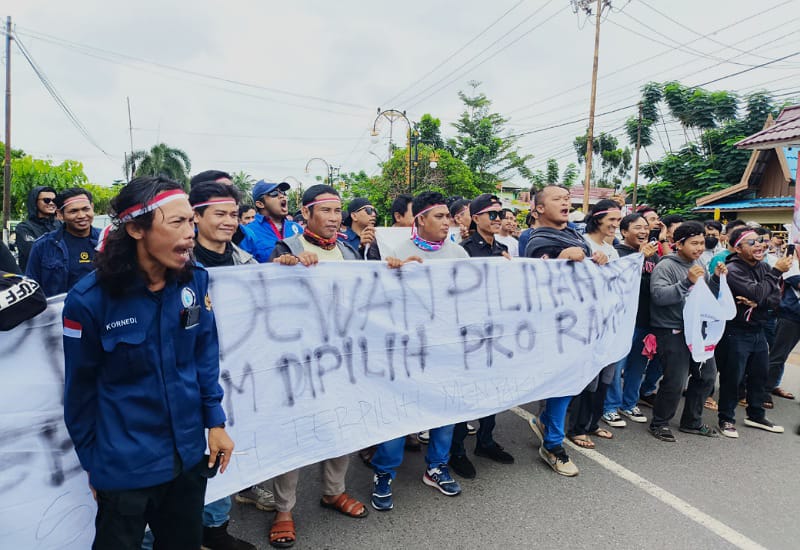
pixel 704 317
pixel 319 362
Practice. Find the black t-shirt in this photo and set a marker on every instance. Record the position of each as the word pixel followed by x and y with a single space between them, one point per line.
pixel 80 254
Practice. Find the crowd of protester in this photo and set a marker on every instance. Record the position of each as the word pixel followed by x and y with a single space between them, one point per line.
pixel 126 380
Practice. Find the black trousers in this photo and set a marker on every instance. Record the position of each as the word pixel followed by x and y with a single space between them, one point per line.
pixel 786 338
pixel 676 360
pixel 174 511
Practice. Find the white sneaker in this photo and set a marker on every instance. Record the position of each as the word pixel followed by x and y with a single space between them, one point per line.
pixel 728 429
pixel 763 424
pixel 634 415
pixel 614 420
pixel 424 437
pixel 261 498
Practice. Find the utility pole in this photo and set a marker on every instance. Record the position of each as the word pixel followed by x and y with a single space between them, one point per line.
pixel 584 4
pixel 636 162
pixel 130 133
pixel 7 160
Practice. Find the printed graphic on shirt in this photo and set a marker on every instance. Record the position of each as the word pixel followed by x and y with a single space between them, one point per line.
pixel 84 258
pixel 208 302
pixel 188 298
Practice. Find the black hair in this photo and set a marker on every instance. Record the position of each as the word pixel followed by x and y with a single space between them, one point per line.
pixel 687 230
pixel 453 199
pixel 733 224
pixel 505 212
pixel 244 208
pixel 117 263
pixel 762 231
pixel 737 233
pixel 202 192
pixel 45 189
pixel 400 205
pixel 315 191
pixel 628 220
pixel 539 197
pixel 671 219
pixel 208 176
pixel 62 196
pixel 457 206
pixel 593 220
pixel 642 210
pixel 713 224
pixel 425 200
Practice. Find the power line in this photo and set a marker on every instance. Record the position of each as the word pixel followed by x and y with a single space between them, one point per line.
pixel 451 56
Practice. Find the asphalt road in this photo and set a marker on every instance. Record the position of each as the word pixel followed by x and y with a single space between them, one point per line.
pixel 632 492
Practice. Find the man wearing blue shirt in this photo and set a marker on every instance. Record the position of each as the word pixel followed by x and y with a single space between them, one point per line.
pixel 270 225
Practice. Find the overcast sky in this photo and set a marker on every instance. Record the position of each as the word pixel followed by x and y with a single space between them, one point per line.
pixel 263 86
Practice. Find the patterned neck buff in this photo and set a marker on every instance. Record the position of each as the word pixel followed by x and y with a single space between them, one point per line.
pixel 313 238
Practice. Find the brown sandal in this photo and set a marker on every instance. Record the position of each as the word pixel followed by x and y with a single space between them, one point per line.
pixel 282 534
pixel 710 404
pixel 603 434
pixel 582 441
pixel 346 505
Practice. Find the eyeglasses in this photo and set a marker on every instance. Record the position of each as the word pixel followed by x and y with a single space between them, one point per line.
pixel 369 210
pixel 493 214
pixel 47 200
pixel 276 193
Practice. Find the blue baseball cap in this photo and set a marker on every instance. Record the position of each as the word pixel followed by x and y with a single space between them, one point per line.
pixel 262 188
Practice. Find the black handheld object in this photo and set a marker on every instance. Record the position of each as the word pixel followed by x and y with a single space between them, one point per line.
pixel 654 234
pixel 790 250
pixel 211 472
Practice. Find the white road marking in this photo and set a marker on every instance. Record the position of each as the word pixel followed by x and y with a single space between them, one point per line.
pixel 676 503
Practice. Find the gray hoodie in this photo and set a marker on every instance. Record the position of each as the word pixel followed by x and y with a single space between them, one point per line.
pixel 669 287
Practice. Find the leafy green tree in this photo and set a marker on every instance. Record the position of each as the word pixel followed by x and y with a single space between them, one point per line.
pixel 610 163
pixel 430 133
pixel 244 183
pixel 481 144
pixel 101 196
pixel 570 175
pixel 552 171
pixel 28 172
pixel 160 159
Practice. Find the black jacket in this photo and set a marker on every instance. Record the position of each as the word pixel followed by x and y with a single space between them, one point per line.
pixel 33 227
pixel 643 313
pixel 759 283
pixel 547 242
pixel 7 261
pixel 476 247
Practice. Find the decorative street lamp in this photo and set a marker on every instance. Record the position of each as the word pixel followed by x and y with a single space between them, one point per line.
pixel 392 115
pixel 329 170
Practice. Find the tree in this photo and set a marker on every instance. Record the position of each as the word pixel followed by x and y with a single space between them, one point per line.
pixel 101 196
pixel 244 183
pixel 481 144
pixel 614 162
pixel 28 172
pixel 552 171
pixel 161 159
pixel 429 129
pixel 570 175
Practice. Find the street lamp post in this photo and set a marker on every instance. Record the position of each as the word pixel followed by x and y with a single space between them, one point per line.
pixel 329 170
pixel 392 115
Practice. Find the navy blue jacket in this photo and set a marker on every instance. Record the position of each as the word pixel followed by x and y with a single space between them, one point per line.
pixel 140 389
pixel 790 303
pixel 48 263
pixel 260 239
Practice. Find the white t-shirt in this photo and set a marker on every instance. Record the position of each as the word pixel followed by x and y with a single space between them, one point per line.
pixel 449 250
pixel 510 242
pixel 605 248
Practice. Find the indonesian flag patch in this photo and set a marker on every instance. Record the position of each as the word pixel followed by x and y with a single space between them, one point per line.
pixel 72 329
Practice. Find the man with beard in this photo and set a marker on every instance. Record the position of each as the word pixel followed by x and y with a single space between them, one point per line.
pixel 271 224
pixel 672 279
pixel 62 257
pixel 41 219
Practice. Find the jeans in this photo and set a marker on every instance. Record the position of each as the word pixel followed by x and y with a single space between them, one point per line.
pixel 787 335
pixel 389 454
pixel 217 513
pixel 174 511
pixel 484 436
pixel 676 361
pixel 553 418
pixel 623 392
pixel 747 350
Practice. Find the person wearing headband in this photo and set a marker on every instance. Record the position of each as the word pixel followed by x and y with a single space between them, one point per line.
pixel 271 224
pixel 756 287
pixel 41 220
pixel 429 234
pixel 670 283
pixel 62 257
pixel 141 373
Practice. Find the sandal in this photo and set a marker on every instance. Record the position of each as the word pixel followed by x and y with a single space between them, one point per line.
pixel 282 534
pixel 582 441
pixel 710 404
pixel 603 434
pixel 346 505
pixel 780 392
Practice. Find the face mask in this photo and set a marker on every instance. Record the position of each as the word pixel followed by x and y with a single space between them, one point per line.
pixel 711 242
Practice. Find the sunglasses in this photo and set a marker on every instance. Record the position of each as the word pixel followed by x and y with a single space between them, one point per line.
pixel 752 242
pixel 493 214
pixel 47 200
pixel 369 210
pixel 276 193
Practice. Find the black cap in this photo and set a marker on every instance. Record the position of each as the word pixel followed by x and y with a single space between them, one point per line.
pixel 481 202
pixel 355 205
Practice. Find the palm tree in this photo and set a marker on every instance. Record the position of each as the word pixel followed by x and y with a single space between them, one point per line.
pixel 160 159
pixel 244 182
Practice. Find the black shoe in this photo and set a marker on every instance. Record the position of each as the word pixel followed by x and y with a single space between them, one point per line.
pixel 218 538
pixel 663 433
pixel 462 466
pixel 648 400
pixel 704 430
pixel 495 453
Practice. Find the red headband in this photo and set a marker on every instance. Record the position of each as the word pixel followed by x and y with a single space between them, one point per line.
pixel 76 198
pixel 431 207
pixel 214 201
pixel 160 199
pixel 741 238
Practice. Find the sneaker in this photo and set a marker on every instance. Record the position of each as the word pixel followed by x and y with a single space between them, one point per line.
pixel 424 437
pixel 763 424
pixel 648 400
pixel 495 453
pixel 634 415
pixel 558 460
pixel 728 429
pixel 663 433
pixel 218 538
pixel 614 420
pixel 704 429
pixel 471 430
pixel 462 466
pixel 441 479
pixel 382 492
pixel 261 498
